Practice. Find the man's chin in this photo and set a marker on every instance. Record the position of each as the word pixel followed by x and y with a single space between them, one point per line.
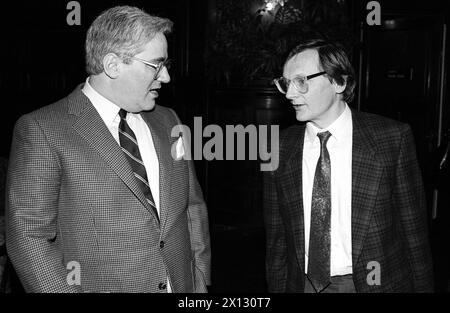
pixel 148 105
pixel 301 117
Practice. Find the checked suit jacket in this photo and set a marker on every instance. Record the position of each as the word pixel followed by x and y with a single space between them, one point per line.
pixel 72 196
pixel 388 219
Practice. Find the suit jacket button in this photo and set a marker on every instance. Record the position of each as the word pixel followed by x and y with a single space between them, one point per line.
pixel 162 286
pixel 161 244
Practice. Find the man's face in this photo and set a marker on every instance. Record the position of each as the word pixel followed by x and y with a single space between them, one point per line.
pixel 321 104
pixel 137 84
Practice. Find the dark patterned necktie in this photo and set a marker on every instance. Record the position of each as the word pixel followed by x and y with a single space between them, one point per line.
pixel 130 148
pixel 320 230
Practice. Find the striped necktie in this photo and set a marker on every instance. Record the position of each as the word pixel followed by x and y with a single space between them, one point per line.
pixel 130 148
pixel 320 231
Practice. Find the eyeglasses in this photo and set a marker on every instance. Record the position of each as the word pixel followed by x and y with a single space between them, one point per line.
pixel 156 66
pixel 300 82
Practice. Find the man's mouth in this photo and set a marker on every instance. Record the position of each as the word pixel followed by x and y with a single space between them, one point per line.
pixel 154 92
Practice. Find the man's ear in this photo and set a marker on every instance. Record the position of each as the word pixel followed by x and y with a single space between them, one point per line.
pixel 340 88
pixel 112 65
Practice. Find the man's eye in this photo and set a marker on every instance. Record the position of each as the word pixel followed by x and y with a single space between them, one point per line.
pixel 299 80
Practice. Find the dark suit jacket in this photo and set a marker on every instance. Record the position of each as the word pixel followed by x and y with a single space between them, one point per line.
pixel 72 196
pixel 389 220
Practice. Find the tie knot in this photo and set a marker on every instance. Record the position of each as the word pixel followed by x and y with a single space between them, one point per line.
pixel 323 137
pixel 123 113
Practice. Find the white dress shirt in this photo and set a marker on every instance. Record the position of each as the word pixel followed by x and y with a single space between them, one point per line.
pixel 339 147
pixel 109 112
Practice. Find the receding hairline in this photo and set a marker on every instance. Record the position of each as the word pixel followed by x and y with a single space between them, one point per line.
pixel 313 51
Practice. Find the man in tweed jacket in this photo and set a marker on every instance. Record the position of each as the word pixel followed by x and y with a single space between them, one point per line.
pixel 379 240
pixel 77 218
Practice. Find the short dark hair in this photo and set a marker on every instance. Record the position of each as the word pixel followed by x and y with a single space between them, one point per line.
pixel 333 60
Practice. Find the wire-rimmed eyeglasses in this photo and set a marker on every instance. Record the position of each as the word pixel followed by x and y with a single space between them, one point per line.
pixel 156 66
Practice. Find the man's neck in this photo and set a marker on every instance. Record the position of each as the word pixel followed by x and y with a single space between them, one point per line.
pixel 101 86
pixel 334 112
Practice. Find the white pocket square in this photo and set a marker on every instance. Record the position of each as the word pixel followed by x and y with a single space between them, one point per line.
pixel 179 148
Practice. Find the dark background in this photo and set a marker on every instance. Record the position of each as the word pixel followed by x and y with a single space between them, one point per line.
pixel 218 48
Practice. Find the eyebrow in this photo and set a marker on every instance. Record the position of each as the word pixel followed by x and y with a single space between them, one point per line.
pixel 160 59
pixel 296 75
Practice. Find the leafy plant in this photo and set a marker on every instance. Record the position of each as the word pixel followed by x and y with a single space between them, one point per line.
pixel 251 43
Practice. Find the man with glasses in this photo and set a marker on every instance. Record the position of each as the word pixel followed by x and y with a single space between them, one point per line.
pixel 345 210
pixel 96 202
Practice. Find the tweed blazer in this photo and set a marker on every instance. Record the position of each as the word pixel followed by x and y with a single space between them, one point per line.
pixel 388 219
pixel 72 196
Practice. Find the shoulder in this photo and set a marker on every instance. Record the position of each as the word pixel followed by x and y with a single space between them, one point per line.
pixel 50 115
pixel 293 132
pixel 378 126
pixel 290 138
pixel 57 112
pixel 166 115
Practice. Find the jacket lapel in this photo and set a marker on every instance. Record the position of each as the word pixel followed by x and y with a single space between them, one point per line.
pixel 91 127
pixel 161 140
pixel 291 184
pixel 366 173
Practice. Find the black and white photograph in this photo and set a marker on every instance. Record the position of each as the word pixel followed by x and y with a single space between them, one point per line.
pixel 242 147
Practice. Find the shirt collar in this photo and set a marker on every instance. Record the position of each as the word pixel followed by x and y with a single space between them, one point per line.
pixel 340 129
pixel 108 110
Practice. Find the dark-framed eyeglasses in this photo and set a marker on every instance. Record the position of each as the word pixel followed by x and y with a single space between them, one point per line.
pixel 156 66
pixel 300 82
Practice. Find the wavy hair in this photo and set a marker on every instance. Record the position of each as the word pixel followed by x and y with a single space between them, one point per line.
pixel 123 30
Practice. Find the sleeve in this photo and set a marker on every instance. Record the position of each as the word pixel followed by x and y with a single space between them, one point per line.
pixel 276 259
pixel 32 211
pixel 198 226
pixel 409 196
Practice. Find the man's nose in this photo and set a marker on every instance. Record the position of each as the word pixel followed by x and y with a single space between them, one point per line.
pixel 164 76
pixel 292 92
